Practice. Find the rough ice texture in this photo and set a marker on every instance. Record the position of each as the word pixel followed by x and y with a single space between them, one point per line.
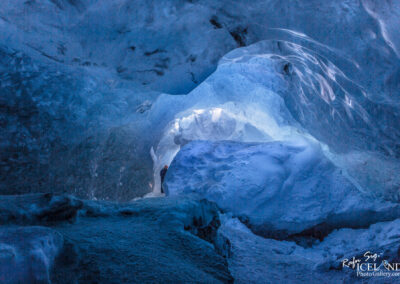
pixel 382 238
pixel 27 254
pixel 39 208
pixel 139 242
pixel 78 133
pixel 279 188
pixel 254 259
pixel 145 241
pixel 78 121
pixel 288 89
pixel 172 45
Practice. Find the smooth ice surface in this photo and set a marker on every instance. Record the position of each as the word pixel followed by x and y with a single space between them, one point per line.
pixel 279 188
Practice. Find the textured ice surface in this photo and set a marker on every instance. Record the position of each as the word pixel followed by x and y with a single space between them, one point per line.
pixel 288 90
pixel 143 242
pixel 80 131
pixel 254 259
pixel 81 112
pixel 33 209
pixel 174 44
pixel 27 254
pixel 76 82
pixel 259 260
pixel 138 242
pixel 278 188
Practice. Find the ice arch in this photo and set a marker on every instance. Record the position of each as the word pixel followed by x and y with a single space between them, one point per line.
pixel 224 122
pixel 290 89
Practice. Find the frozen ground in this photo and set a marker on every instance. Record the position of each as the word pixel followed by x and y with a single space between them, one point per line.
pixel 176 240
pixel 139 242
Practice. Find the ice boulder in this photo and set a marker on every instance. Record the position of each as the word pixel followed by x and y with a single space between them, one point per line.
pixel 27 254
pixel 278 188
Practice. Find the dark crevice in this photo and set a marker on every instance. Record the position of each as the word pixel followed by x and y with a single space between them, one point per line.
pixel 278 43
pixel 192 58
pixel 207 232
pixel 162 63
pixel 317 233
pixel 287 69
pixel 77 4
pixel 149 53
pixel 193 78
pixel 46 55
pixel 215 23
pixel 61 49
pixel 159 72
pixel 239 35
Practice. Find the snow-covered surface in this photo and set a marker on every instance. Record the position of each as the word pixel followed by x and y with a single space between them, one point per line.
pixel 280 188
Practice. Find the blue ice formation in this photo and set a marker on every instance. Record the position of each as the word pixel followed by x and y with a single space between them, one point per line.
pixel 96 87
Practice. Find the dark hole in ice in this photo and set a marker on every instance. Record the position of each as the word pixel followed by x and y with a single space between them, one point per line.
pixel 287 68
pixel 207 232
pixel 239 35
pixel 215 23
pixel 192 58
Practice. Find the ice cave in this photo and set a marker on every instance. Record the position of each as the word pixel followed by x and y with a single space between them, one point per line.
pixel 200 141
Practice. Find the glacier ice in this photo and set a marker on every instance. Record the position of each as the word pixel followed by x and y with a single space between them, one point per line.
pixel 254 259
pixel 280 90
pixel 157 238
pixel 28 254
pixel 63 98
pixel 34 209
pixel 278 188
pixel 79 131
pixel 294 101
